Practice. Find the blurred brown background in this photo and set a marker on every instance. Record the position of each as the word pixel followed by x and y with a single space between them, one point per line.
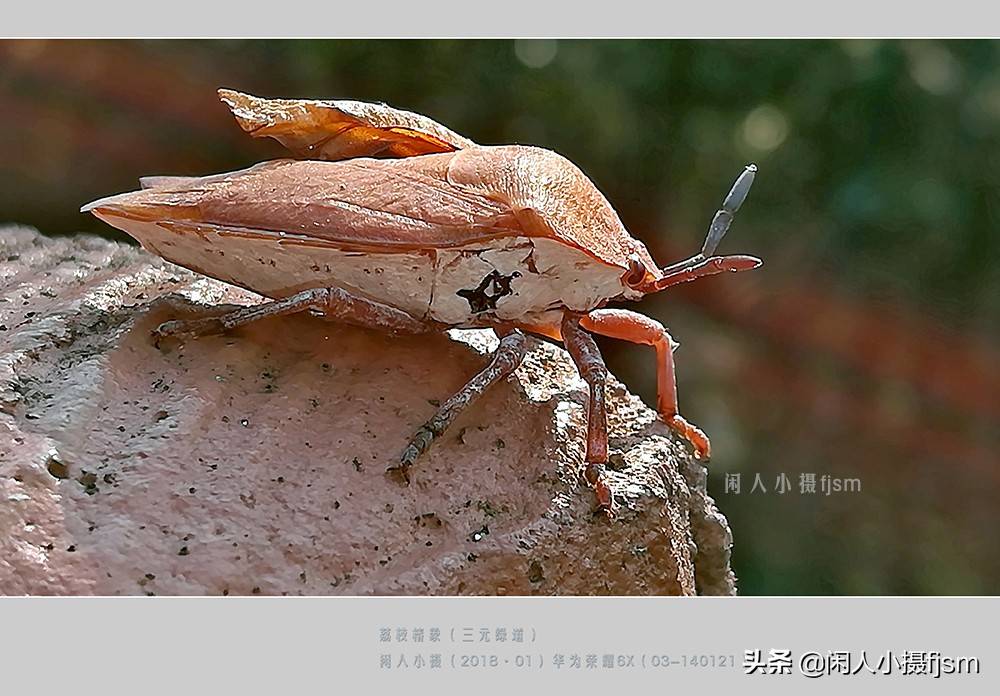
pixel 865 348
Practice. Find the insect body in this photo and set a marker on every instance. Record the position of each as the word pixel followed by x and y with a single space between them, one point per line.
pixel 389 220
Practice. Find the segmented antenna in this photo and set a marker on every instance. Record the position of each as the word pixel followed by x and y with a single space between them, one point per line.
pixel 724 216
pixel 705 263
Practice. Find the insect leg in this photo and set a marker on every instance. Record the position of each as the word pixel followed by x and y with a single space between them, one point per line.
pixel 588 360
pixel 634 327
pixel 334 303
pixel 505 360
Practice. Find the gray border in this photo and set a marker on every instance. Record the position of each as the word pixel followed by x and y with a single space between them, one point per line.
pixel 285 645
pixel 522 18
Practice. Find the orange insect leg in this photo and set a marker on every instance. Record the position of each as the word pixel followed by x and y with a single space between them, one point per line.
pixel 583 350
pixel 636 328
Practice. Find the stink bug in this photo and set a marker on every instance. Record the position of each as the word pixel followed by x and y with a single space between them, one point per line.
pixel 386 219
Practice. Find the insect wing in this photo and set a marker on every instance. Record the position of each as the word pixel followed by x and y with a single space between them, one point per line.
pixel 342 129
pixel 372 204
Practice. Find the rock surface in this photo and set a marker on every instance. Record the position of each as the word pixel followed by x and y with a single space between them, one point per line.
pixel 254 462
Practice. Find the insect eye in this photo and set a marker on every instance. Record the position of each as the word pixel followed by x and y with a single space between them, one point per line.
pixel 636 271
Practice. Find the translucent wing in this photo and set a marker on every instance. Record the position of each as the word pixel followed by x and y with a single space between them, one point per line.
pixel 337 130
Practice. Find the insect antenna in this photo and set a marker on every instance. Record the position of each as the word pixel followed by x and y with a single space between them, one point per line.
pixel 705 263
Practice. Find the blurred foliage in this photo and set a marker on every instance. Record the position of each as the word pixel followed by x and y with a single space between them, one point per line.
pixel 866 346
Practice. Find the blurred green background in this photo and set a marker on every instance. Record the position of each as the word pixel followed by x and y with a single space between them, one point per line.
pixel 865 348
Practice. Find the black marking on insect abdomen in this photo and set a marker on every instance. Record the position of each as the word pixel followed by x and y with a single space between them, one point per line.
pixel 489 291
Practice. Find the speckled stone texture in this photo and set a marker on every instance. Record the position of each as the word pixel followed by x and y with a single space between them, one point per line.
pixel 254 462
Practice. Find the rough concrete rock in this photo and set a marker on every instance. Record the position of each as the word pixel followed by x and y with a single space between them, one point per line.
pixel 254 462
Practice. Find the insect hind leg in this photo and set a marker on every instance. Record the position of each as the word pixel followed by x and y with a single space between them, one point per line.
pixel 335 304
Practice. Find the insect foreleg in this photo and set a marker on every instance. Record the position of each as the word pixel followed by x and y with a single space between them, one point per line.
pixel 334 303
pixel 588 360
pixel 505 360
pixel 634 327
